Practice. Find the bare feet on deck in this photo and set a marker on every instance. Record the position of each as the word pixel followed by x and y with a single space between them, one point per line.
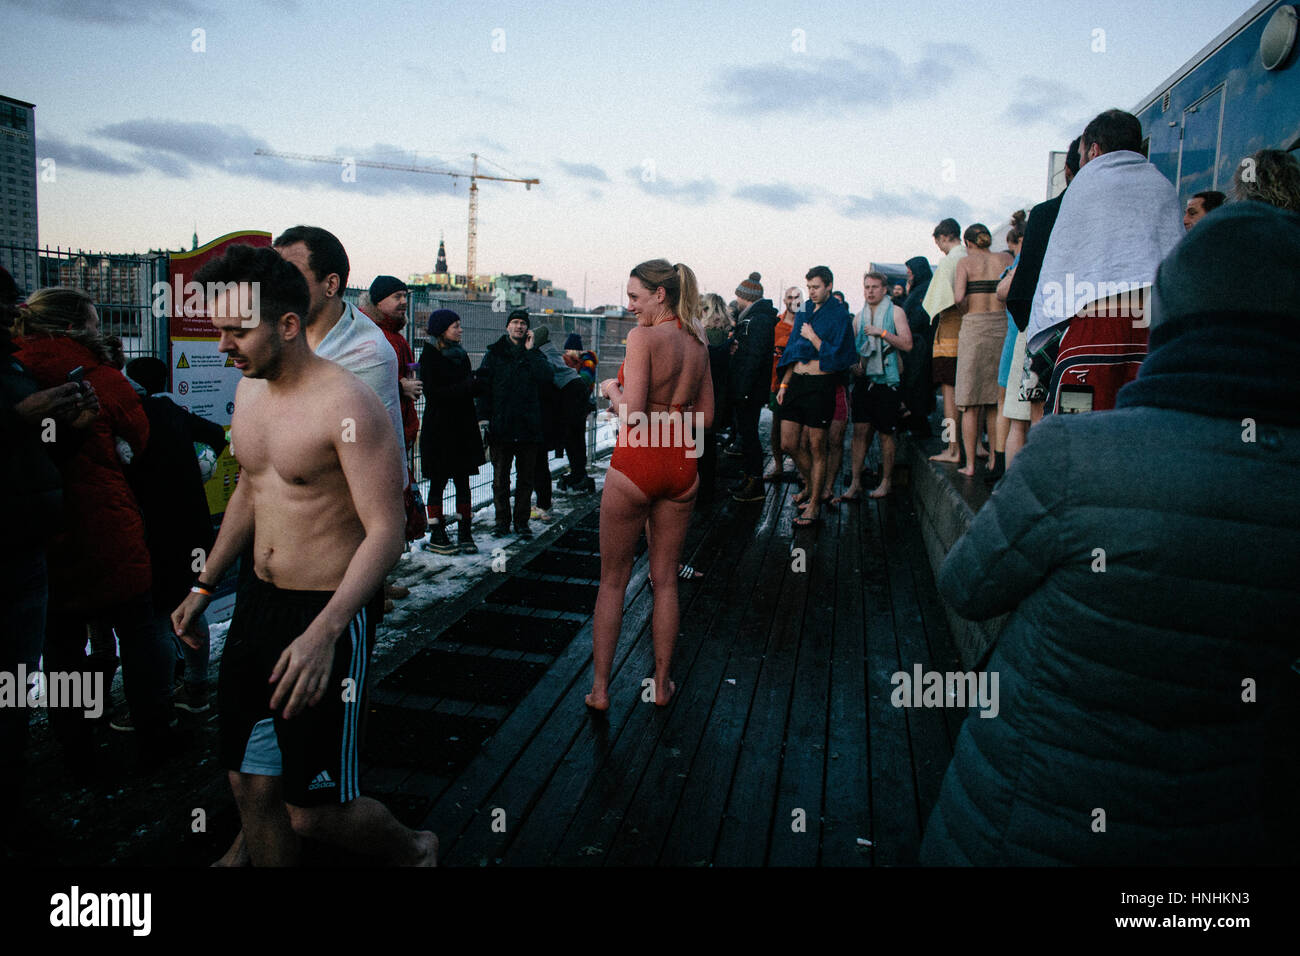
pixel 881 490
pixel 426 849
pixel 947 456
pixel 968 471
pixel 598 702
pixel 851 493
pixel 237 855
pixel 663 701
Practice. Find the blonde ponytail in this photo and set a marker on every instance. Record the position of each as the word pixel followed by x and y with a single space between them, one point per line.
pixel 688 305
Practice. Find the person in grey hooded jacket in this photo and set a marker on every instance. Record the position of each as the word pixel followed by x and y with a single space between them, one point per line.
pixel 1147 555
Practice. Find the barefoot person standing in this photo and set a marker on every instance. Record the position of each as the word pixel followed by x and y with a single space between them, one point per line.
pixel 292 687
pixel 666 371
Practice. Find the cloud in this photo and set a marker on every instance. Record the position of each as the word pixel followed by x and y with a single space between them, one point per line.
pixel 776 195
pixel 691 191
pixel 81 157
pixel 1036 100
pixel 583 171
pixel 870 77
pixel 180 149
pixel 918 205
pixel 113 12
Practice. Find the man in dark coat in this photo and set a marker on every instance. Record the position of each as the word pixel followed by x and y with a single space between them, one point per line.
pixel 750 374
pixel 168 485
pixel 514 372
pixel 1148 705
pixel 1024 283
pixel 917 386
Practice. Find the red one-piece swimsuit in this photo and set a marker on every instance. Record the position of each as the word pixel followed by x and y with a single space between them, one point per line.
pixel 653 453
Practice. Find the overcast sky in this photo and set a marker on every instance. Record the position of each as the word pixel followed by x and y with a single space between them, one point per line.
pixel 733 136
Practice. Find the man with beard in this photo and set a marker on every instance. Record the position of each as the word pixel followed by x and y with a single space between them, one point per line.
pixel 388 303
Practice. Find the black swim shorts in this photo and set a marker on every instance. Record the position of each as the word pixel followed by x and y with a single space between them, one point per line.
pixel 315 753
pixel 810 400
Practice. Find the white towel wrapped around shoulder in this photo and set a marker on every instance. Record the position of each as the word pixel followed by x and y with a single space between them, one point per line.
pixel 1118 220
pixel 939 296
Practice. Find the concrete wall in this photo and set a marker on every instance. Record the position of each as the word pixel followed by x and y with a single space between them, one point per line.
pixel 944 517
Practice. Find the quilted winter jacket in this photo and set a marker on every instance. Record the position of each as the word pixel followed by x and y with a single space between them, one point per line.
pixel 1121 690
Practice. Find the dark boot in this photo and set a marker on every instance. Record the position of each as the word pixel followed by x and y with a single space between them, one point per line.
pixel 438 542
pixel 466 540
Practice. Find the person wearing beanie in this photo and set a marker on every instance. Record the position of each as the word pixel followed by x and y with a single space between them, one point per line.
pixel 1147 661
pixel 451 446
pixel 512 372
pixel 388 302
pixel 749 379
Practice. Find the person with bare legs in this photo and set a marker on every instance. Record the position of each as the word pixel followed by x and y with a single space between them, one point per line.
pixel 941 305
pixel 880 333
pixel 781 337
pixel 983 329
pixel 307 433
pixel 998 463
pixel 820 347
pixel 652 480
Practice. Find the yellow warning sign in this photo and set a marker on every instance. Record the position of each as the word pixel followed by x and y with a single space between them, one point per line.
pixel 184 362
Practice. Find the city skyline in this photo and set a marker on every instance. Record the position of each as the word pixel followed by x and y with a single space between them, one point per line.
pixel 737 138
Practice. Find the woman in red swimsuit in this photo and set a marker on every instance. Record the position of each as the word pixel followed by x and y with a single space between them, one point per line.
pixel 652 477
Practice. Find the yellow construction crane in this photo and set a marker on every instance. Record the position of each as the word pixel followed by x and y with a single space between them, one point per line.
pixel 473 177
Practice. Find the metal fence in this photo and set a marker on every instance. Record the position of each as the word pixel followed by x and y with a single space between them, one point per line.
pixel 482 325
pixel 121 286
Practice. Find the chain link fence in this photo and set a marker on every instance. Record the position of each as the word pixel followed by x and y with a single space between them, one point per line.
pixel 482 325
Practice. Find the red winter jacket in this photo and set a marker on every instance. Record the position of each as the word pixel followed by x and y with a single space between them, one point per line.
pixel 99 557
pixel 405 359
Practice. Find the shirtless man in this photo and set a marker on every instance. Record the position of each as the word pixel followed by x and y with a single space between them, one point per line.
pixel 307 433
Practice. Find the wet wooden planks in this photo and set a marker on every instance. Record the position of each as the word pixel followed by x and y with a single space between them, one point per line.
pixel 782 747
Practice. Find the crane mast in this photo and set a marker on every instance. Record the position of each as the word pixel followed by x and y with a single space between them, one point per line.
pixel 471 253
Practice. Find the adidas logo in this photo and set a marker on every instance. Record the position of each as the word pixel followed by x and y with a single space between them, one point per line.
pixel 321 782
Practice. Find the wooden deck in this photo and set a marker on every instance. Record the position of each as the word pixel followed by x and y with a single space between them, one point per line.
pixel 781 747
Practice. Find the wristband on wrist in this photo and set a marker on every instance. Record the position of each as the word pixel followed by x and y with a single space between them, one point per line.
pixel 200 588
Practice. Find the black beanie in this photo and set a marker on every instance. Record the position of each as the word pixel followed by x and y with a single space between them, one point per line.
pixel 520 314
pixel 441 321
pixel 573 343
pixel 384 286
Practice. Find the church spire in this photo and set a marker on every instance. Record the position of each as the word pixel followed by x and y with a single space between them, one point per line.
pixel 441 267
pixel 195 239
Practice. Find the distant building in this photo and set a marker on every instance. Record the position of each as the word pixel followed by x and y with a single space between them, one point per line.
pixel 516 291
pixel 18 232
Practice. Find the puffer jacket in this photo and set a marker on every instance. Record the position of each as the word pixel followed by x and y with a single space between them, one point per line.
pixel 1121 690
pixel 100 558
pixel 512 406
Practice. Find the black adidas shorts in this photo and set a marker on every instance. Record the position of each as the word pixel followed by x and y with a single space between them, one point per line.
pixel 316 752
